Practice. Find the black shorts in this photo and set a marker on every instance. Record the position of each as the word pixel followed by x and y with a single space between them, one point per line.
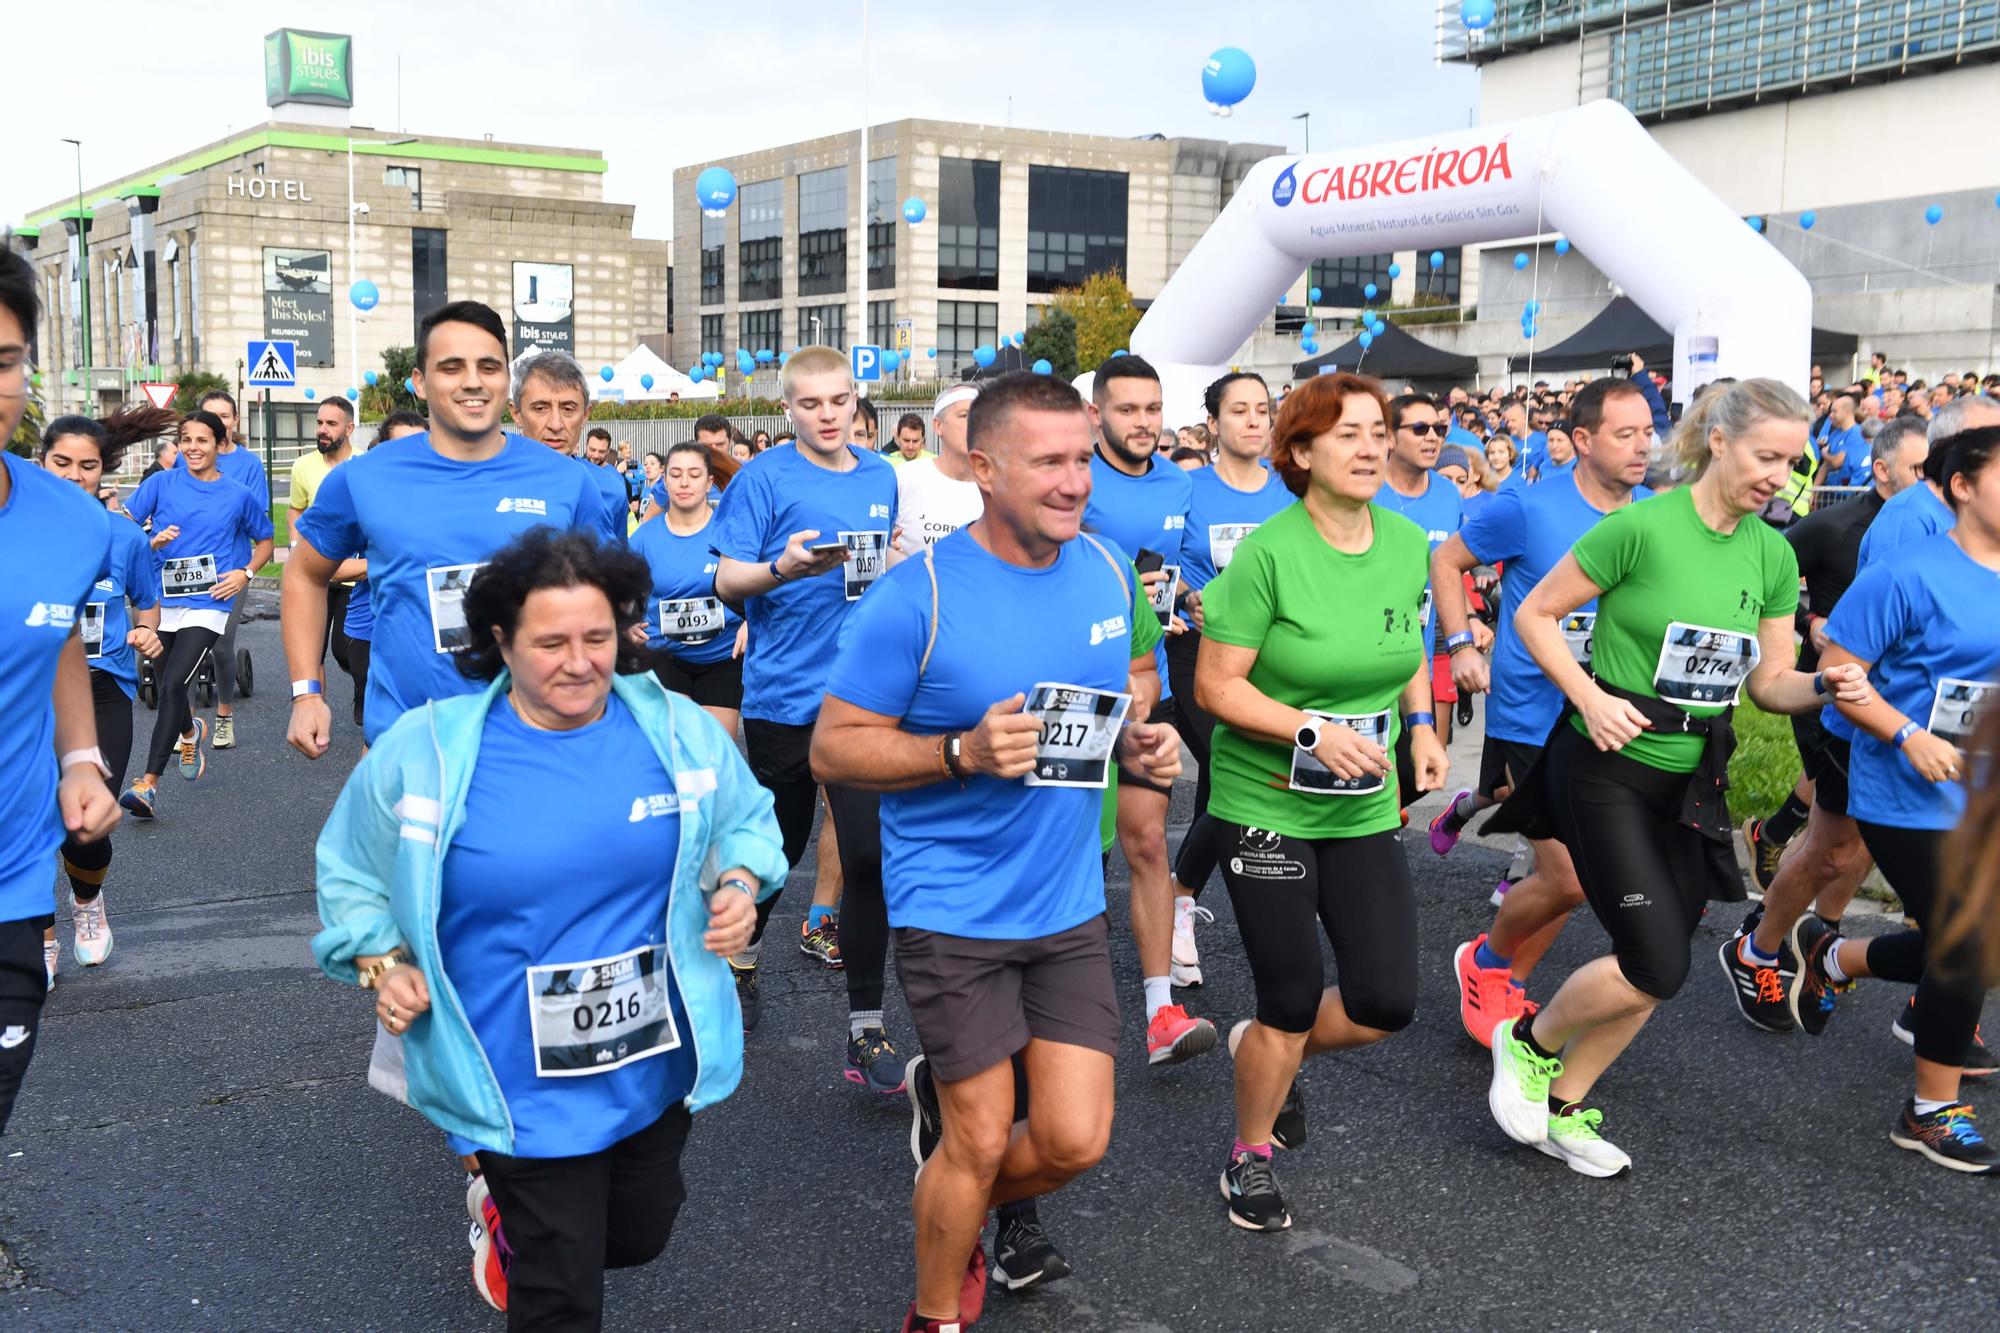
pixel 978 1002
pixel 1504 763
pixel 1807 736
pixel 1827 767
pixel 1168 712
pixel 710 684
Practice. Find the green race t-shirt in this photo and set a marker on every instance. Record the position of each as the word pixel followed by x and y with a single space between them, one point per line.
pixel 1678 617
pixel 1146 635
pixel 1334 633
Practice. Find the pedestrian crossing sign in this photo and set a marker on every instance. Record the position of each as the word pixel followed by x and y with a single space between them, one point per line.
pixel 273 364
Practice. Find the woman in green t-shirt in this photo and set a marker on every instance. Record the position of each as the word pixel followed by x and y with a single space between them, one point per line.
pixel 1312 660
pixel 1695 596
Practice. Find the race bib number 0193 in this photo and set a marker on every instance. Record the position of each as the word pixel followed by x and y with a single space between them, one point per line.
pixel 595 1016
pixel 1579 631
pixel 1079 731
pixel 187 576
pixel 1701 667
pixel 1311 776
pixel 93 629
pixel 868 556
pixel 690 620
pixel 1957 708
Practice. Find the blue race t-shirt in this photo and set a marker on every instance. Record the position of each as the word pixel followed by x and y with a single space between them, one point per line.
pixel 684 573
pixel 426 523
pixel 1459 435
pixel 1910 515
pixel 1856 469
pixel 133 575
pixel 793 627
pixel 1438 511
pixel 1143 513
pixel 1534 450
pixel 219 522
pixel 1555 471
pixel 55 541
pixel 611 492
pixel 1926 620
pixel 360 622
pixel 242 466
pixel 585 881
pixel 1530 529
pixel 990 859
pixel 1218 517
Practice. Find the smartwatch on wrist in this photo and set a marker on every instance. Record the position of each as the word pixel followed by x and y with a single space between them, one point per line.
pixel 1308 735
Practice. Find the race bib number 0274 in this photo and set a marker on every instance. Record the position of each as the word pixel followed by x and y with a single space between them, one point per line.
pixel 1701 667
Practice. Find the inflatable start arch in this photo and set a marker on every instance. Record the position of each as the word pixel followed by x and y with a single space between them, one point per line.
pixel 1736 306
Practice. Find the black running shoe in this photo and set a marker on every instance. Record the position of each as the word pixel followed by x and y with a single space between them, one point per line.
pixel 746 995
pixel 1289 1129
pixel 926 1112
pixel 1979 1062
pixel 1748 925
pixel 1023 1255
pixel 1947 1137
pixel 1810 996
pixel 1251 1188
pixel 1764 856
pixel 1759 992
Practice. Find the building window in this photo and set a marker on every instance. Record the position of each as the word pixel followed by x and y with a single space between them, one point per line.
pixel 882 323
pixel 825 325
pixel 1076 225
pixel 711 260
pixel 406 178
pixel 823 232
pixel 427 272
pixel 1340 281
pixel 760 237
pixel 883 214
pixel 963 326
pixel 711 334
pixel 761 330
pixel 968 224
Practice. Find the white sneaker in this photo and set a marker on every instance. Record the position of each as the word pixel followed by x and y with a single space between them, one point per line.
pixel 93 931
pixel 1573 1140
pixel 1185 969
pixel 51 954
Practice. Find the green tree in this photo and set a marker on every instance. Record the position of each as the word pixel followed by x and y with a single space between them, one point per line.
pixel 187 397
pixel 1054 340
pixel 387 394
pixel 1104 314
pixel 27 436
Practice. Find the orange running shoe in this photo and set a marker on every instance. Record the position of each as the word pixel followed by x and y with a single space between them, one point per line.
pixel 1485 994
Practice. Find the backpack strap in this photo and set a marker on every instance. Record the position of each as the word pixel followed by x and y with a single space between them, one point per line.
pixel 930 643
pixel 1109 559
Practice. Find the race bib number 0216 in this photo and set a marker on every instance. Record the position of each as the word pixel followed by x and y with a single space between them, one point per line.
pixel 595 1016
pixel 1701 667
pixel 1079 731
pixel 1311 776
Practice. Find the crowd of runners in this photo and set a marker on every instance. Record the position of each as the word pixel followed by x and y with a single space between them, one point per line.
pixel 605 707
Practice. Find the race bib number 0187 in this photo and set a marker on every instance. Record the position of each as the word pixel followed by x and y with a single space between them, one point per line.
pixel 595 1016
pixel 1701 667
pixel 1079 731
pixel 868 557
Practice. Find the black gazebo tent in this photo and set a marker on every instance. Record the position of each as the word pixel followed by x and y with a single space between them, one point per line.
pixel 1623 327
pixel 1395 355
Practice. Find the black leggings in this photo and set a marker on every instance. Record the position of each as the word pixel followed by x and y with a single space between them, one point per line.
pixel 1359 891
pixel 337 597
pixel 1947 1003
pixel 24 984
pixel 1641 869
pixel 567 1219
pixel 185 649
pixel 86 863
pixel 1195 862
pixel 357 661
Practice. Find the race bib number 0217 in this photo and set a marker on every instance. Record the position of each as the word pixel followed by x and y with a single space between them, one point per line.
pixel 1701 667
pixel 1079 731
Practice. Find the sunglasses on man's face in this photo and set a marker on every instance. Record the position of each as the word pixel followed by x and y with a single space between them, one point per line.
pixel 1420 428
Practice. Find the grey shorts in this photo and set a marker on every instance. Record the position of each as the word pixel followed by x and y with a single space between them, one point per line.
pixel 977 1002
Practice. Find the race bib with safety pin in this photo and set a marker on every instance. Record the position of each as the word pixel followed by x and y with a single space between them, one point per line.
pixel 1579 629
pixel 599 1015
pixel 1424 610
pixel 1311 776
pixel 1079 731
pixel 1223 539
pixel 868 556
pixel 1161 595
pixel 690 620
pixel 1957 708
pixel 187 576
pixel 1701 667
pixel 93 629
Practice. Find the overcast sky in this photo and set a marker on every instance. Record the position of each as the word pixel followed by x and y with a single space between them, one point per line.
pixel 655 86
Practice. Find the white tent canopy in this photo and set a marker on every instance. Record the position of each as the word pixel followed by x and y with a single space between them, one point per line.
pixel 625 385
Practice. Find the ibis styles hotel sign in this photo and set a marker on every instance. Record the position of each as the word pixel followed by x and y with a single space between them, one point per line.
pixel 316 67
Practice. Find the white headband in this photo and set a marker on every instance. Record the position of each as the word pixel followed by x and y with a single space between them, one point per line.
pixel 951 398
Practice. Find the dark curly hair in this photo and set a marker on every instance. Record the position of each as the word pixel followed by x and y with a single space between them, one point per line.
pixel 114 434
pixel 543 557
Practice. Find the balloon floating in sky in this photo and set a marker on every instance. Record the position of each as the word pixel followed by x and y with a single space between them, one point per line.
pixel 1368 292
pixel 984 355
pixel 1395 270
pixel 368 378
pixel 890 361
pixel 1807 219
pixel 646 383
pixel 310 395
pixel 1308 329
pixel 606 373
pixel 1934 214
pixel 715 190
pixel 1756 224
pixel 409 386
pixel 1313 296
pixel 1227 79
pixel 1520 260
pixel 1042 367
pixel 1378 328
pixel 1562 246
pixel 1437 259
pixel 364 294
pixel 1309 346
pixel 353 394
pixel 931 352
pixel 1476 14
pixel 1366 340
pixel 914 210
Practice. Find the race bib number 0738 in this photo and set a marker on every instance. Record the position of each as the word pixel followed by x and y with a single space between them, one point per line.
pixel 187 576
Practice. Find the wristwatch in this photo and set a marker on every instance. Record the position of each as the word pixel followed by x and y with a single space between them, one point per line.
pixel 1308 735
pixel 372 973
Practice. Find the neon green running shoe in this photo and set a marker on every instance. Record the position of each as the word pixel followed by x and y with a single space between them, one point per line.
pixel 1573 1140
pixel 1519 1096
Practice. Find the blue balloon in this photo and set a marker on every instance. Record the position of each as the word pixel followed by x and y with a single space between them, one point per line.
pixel 409 385
pixel 1520 260
pixel 353 394
pixel 784 357
pixel 646 383
pixel 1121 352
pixel 746 364
pixel 984 355
pixel 1308 346
pixel 1042 367
pixel 606 373
pixel 890 361
pixel 1533 307
pixel 1934 214
pixel 310 395
pixel 715 190
pixel 1437 259
pixel 1313 296
pixel 1378 328
pixel 1308 329
pixel 1562 246
pixel 1228 77
pixel 931 352
pixel 1366 340
pixel 364 294
pixel 1807 219
pixel 1395 270
pixel 368 378
pixel 698 371
pixel 1367 316
pixel 765 356
pixel 1528 330
pixel 1756 224
pixel 1369 291
pixel 914 210
pixel 1476 14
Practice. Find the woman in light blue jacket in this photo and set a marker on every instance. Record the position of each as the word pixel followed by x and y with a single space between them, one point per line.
pixel 541 881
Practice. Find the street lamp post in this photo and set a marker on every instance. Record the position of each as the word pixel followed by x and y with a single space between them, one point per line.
pixel 1307 117
pixel 82 273
pixel 353 324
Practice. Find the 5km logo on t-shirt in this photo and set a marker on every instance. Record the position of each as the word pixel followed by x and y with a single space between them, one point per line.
pixel 52 615
pixel 539 508
pixel 1103 630
pixel 657 806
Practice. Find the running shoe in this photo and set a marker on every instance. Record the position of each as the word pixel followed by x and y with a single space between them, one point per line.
pixel 1446 825
pixel 1186 965
pixel 1023 1254
pixel 1519 1094
pixel 1759 991
pixel 225 732
pixel 1574 1141
pixel 971 1299
pixel 1288 1131
pixel 747 998
pixel 491 1255
pixel 193 762
pixel 916 1323
pixel 93 931
pixel 1946 1136
pixel 1485 994
pixel 1499 894
pixel 822 942
pixel 926 1112
pixel 1250 1187
pixel 1810 996
pixel 1764 856
pixel 140 798
pixel 51 956
pixel 1979 1061
pixel 873 1063
pixel 1751 919
pixel 1173 1036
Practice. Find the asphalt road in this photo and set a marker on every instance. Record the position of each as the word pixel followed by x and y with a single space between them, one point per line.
pixel 196 1146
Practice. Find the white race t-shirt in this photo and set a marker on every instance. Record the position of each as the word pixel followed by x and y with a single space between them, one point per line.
pixel 931 506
